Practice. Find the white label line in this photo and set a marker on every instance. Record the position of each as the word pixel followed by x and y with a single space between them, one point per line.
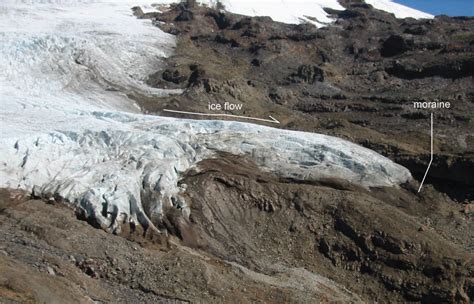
pixel 431 157
pixel 272 120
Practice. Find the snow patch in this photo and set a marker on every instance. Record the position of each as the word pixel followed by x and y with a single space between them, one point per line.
pixel 286 11
pixel 312 11
pixel 399 10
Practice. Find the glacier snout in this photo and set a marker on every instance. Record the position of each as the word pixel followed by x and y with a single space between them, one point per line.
pixel 131 171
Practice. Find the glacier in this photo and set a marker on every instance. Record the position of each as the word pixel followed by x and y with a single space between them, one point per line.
pixel 68 128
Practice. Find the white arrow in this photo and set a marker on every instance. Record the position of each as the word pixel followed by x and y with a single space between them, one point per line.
pixel 431 158
pixel 272 120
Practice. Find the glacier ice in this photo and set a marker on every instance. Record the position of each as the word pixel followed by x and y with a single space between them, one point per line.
pixel 131 155
pixel 67 128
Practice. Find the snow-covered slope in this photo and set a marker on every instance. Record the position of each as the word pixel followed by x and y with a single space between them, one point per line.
pixel 81 48
pixel 400 11
pixel 68 129
pixel 287 11
pixel 297 11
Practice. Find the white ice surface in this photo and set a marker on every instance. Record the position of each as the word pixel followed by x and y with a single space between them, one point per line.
pixel 399 10
pixel 66 128
pixel 82 48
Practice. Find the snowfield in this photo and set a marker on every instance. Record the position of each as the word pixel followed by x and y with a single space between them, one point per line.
pixel 312 11
pixel 68 129
pixel 286 11
pixel 400 11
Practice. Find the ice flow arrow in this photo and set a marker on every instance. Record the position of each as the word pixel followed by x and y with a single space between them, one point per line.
pixel 272 119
